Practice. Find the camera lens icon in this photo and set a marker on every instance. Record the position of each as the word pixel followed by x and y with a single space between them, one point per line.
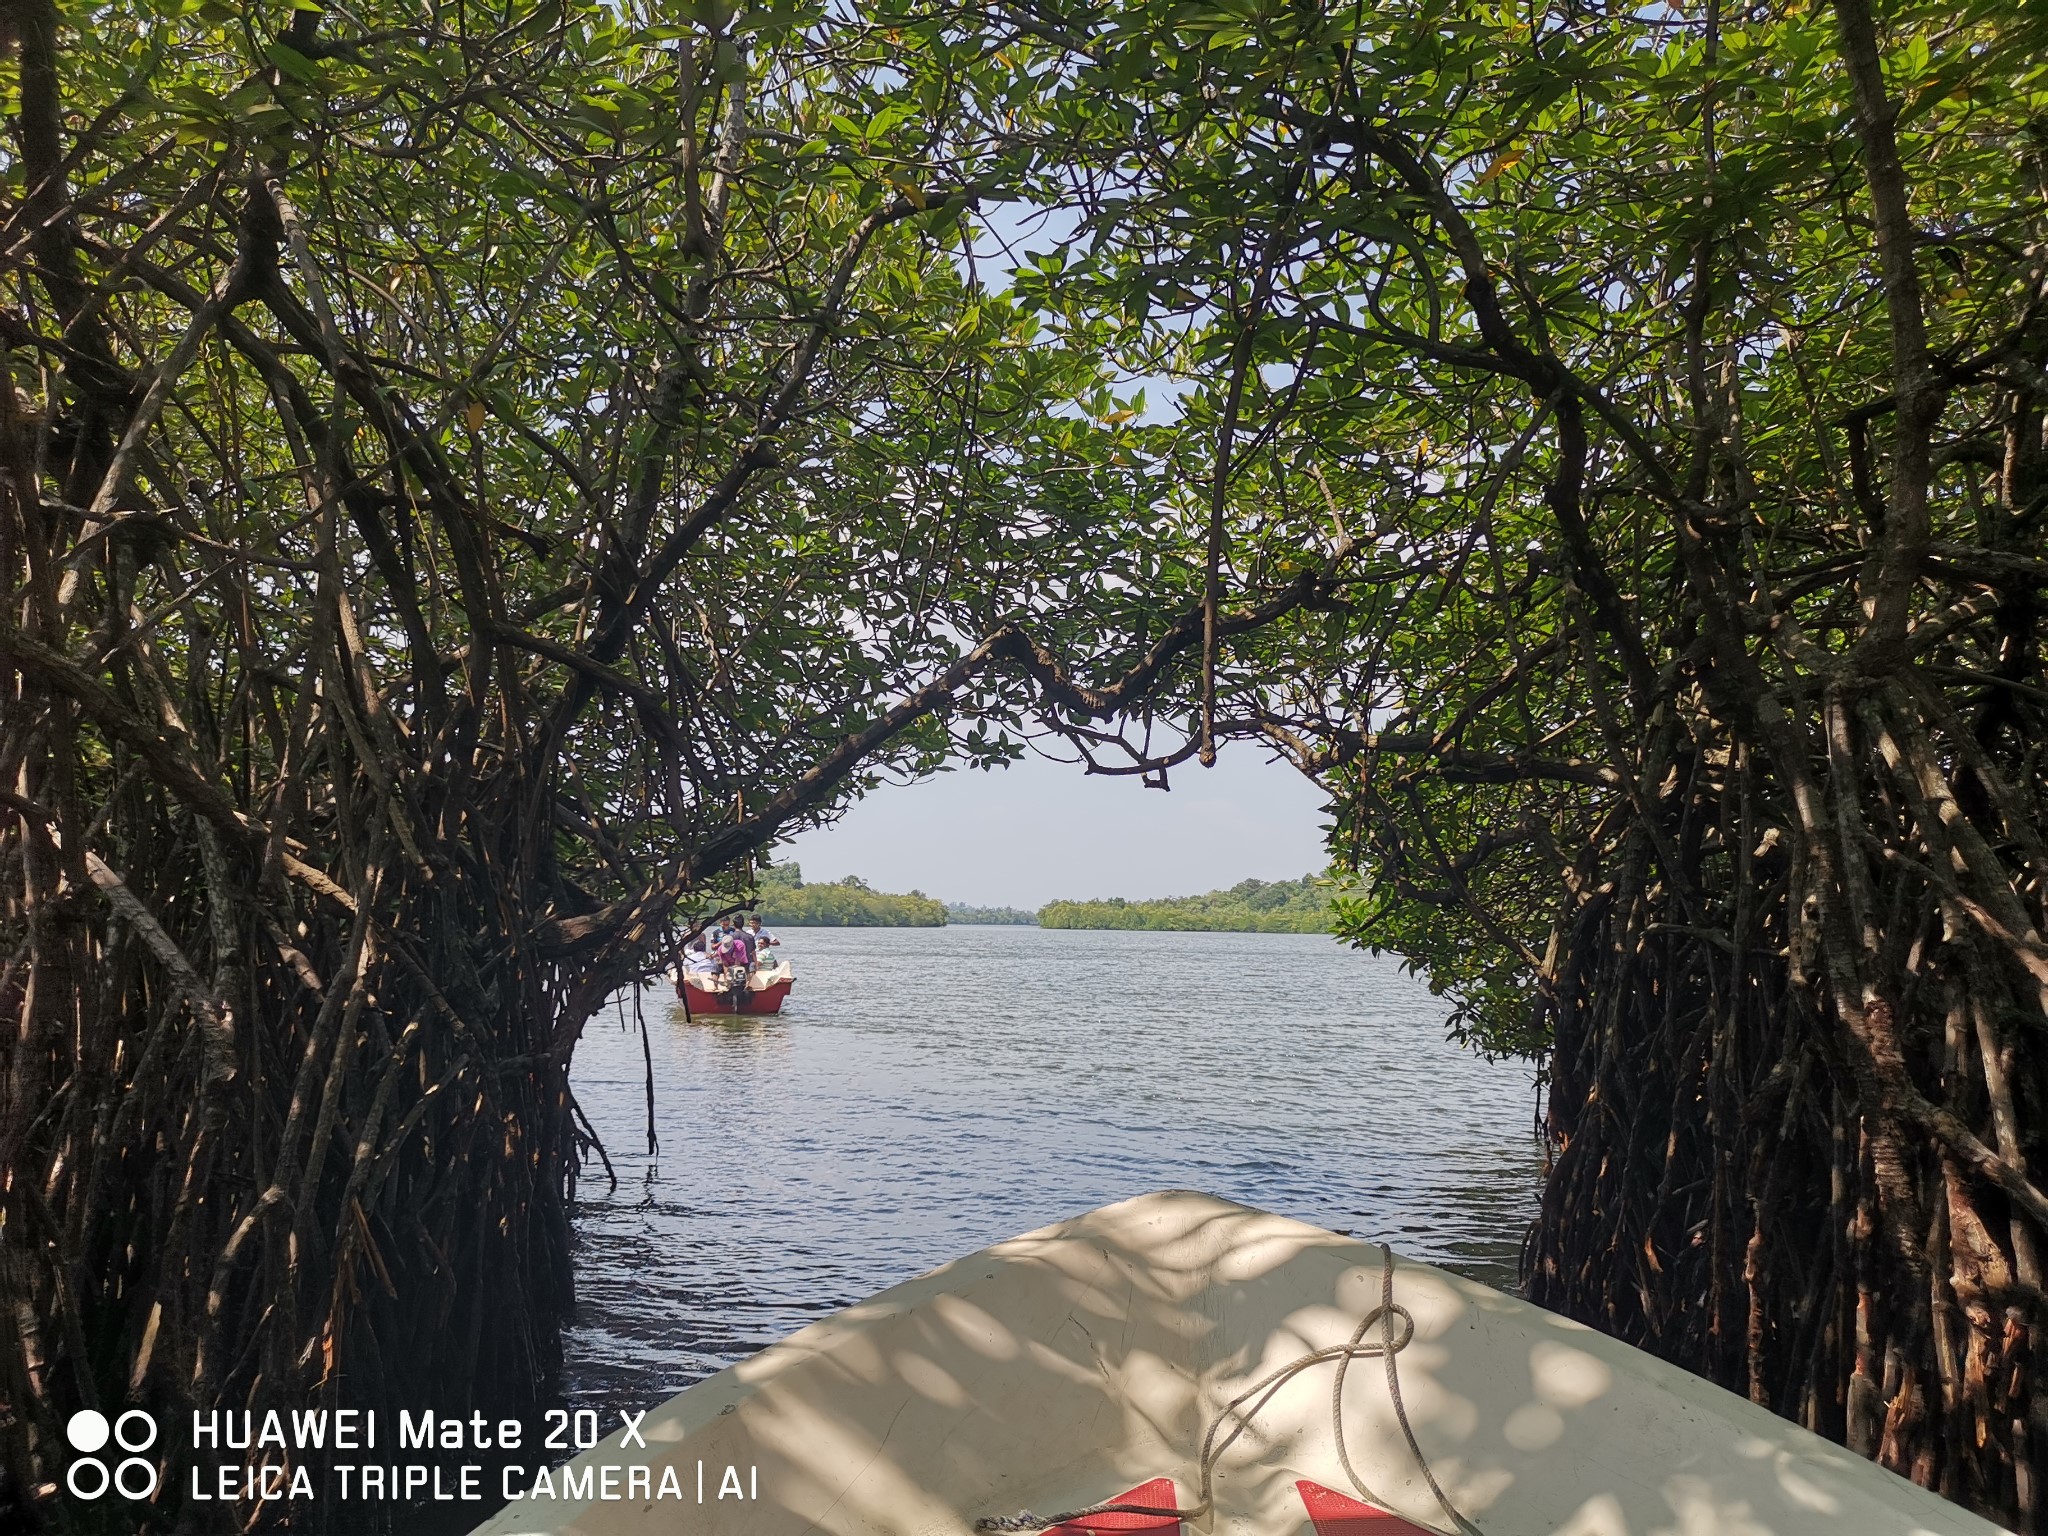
pixel 88 1430
pixel 89 1477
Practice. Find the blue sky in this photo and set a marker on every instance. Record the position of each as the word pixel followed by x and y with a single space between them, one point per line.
pixel 1025 835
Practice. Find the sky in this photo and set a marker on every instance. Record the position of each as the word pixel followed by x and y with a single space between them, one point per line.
pixel 1031 833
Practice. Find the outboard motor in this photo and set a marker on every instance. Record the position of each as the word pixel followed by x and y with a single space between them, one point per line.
pixel 736 984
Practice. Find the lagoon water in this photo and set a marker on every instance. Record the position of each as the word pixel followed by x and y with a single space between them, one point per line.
pixel 927 1092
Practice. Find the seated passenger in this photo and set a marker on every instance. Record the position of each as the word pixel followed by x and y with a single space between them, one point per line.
pixel 696 960
pixel 763 942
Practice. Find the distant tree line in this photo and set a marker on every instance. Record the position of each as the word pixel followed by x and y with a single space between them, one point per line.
pixel 1250 906
pixel 993 917
pixel 847 903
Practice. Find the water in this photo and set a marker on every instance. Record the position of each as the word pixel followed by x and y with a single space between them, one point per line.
pixel 927 1092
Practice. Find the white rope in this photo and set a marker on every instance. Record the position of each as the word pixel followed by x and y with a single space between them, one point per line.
pixel 1355 1348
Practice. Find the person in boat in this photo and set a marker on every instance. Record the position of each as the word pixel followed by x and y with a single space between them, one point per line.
pixel 735 957
pixel 763 941
pixel 739 949
pixel 693 962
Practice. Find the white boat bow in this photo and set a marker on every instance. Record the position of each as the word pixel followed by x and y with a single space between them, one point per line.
pixel 1073 1364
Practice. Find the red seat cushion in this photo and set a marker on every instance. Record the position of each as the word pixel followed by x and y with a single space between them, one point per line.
pixel 1336 1514
pixel 1158 1494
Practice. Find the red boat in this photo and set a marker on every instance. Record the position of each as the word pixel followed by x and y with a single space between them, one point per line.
pixel 762 990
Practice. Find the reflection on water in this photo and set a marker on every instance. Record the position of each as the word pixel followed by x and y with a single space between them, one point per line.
pixel 930 1091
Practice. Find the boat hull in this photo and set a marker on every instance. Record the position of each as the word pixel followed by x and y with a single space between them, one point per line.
pixel 1086 1361
pixel 768 999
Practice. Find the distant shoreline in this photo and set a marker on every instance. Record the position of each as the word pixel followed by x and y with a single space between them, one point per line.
pixel 1250 906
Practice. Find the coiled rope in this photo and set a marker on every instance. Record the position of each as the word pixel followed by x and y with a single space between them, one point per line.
pixel 1386 1347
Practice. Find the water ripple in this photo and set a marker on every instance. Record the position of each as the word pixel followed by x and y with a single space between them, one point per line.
pixel 930 1091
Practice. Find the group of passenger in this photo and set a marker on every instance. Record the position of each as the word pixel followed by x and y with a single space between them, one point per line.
pixel 721 948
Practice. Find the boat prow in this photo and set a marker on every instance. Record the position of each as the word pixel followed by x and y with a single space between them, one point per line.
pixel 1087 1362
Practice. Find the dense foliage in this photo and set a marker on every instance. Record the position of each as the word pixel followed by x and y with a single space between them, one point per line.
pixel 469 480
pixel 1680 372
pixel 1250 906
pixel 786 901
pixel 467 484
